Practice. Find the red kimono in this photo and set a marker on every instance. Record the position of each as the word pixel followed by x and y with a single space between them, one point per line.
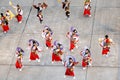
pixel 18 63
pixel 72 45
pixel 105 50
pixel 5 28
pixel 34 56
pixel 19 18
pixel 56 57
pixel 87 10
pixel 69 72
pixel 84 63
pixel 49 42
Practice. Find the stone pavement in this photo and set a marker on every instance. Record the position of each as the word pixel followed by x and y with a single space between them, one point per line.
pixel 105 20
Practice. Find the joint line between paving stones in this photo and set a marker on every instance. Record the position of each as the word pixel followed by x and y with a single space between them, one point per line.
pixel 50 65
pixel 19 41
pixel 91 35
pixel 118 62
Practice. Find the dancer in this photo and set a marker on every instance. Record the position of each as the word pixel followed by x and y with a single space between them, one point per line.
pixel 19 12
pixel 40 8
pixel 9 15
pixel 69 64
pixel 67 12
pixel 34 50
pixel 57 51
pixel 66 4
pixel 19 54
pixel 105 43
pixel 4 23
pixel 87 60
pixel 74 38
pixel 5 27
pixel 47 34
pixel 87 9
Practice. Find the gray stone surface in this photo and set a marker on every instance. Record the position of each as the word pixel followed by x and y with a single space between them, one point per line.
pixel 105 20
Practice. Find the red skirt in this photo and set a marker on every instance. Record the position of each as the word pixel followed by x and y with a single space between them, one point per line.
pixel 18 64
pixel 19 17
pixel 5 27
pixel 84 64
pixel 69 72
pixel 56 57
pixel 86 12
pixel 48 43
pixel 72 45
pixel 33 56
pixel 105 51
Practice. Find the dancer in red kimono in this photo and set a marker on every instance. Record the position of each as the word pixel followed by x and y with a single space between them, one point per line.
pixel 70 63
pixel 57 52
pixel 34 50
pixel 47 34
pixel 19 54
pixel 87 9
pixel 5 27
pixel 4 23
pixel 74 38
pixel 87 60
pixel 105 43
pixel 19 12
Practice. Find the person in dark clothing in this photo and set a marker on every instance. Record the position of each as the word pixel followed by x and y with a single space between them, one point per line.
pixel 67 12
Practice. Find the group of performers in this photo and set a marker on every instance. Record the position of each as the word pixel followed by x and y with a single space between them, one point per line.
pixel 8 15
pixel 19 12
pixel 40 7
pixel 55 46
pixel 57 49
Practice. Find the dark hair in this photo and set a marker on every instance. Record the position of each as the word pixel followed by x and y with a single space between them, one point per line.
pixel 70 58
pixel 1 14
pixel 6 22
pixel 75 30
pixel 59 44
pixel 34 42
pixel 18 5
pixel 66 0
pixel 88 50
pixel 106 36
